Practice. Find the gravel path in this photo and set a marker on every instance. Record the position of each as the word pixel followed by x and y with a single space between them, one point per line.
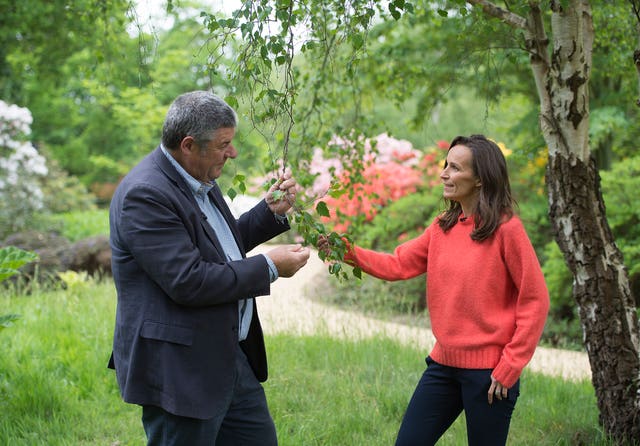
pixel 288 309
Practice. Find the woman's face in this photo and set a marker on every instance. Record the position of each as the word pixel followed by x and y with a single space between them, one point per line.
pixel 459 180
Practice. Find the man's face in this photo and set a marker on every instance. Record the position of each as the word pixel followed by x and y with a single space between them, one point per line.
pixel 205 162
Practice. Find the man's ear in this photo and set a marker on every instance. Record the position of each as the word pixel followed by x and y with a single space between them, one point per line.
pixel 187 145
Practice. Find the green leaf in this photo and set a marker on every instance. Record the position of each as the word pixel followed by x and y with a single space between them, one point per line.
pixel 7 320
pixel 277 195
pixel 5 273
pixel 358 41
pixel 394 12
pixel 322 209
pixel 232 193
pixel 12 258
pixel 232 101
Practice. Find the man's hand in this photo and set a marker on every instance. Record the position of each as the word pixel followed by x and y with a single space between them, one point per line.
pixel 288 259
pixel 497 389
pixel 282 194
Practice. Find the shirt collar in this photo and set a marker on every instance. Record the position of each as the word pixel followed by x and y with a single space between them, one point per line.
pixel 196 186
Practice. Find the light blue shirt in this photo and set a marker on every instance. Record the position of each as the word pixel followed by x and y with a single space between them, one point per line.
pixel 225 236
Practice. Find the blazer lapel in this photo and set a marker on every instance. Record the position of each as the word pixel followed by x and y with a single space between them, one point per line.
pixel 165 165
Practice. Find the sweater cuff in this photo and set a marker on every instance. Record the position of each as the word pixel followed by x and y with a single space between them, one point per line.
pixel 350 253
pixel 506 375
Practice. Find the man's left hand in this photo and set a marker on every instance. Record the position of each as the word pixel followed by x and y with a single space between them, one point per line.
pixel 282 194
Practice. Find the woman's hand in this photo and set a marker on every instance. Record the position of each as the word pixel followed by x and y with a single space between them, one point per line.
pixel 496 388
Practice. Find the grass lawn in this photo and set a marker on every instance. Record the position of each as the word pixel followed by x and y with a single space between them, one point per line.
pixel 55 388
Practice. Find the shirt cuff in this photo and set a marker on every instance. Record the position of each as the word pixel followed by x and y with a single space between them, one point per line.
pixel 273 271
pixel 282 219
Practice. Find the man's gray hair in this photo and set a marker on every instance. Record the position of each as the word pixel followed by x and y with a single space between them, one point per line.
pixel 197 114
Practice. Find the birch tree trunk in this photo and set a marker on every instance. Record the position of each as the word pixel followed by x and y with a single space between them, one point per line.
pixel 576 208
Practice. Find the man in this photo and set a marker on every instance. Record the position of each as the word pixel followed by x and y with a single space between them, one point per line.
pixel 188 345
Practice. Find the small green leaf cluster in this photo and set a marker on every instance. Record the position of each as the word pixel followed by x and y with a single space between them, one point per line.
pixel 11 259
pixel 311 229
pixel 6 320
pixel 397 6
pixel 239 181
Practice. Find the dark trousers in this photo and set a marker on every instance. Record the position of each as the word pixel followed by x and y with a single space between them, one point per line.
pixel 246 422
pixel 442 394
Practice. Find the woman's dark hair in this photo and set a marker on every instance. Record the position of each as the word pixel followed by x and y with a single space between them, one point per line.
pixel 495 203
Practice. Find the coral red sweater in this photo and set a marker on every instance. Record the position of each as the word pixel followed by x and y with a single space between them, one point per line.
pixel 487 300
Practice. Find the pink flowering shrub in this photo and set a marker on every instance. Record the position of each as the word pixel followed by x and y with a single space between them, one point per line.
pixel 391 169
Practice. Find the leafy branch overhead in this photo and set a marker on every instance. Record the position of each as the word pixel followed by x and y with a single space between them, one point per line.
pixel 289 103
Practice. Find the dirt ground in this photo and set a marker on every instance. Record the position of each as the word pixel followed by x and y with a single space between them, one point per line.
pixel 289 309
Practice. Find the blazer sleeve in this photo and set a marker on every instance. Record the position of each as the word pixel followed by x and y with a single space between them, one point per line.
pixel 259 225
pixel 162 232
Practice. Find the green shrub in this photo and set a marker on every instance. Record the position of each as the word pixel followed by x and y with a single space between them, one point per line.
pixel 63 192
pixel 401 220
pixel 534 213
pixel 619 186
pixel 77 225
pixel 378 297
pixel 563 327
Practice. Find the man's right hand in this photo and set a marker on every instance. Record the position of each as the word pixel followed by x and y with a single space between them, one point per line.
pixel 288 259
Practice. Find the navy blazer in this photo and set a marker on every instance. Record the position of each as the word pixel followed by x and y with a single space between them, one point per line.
pixel 176 331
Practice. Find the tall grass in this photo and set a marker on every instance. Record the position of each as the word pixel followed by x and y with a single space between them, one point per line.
pixel 55 388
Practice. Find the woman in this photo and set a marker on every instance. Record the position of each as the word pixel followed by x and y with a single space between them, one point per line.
pixel 486 296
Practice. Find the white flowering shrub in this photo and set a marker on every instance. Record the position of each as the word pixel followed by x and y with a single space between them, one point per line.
pixel 21 170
